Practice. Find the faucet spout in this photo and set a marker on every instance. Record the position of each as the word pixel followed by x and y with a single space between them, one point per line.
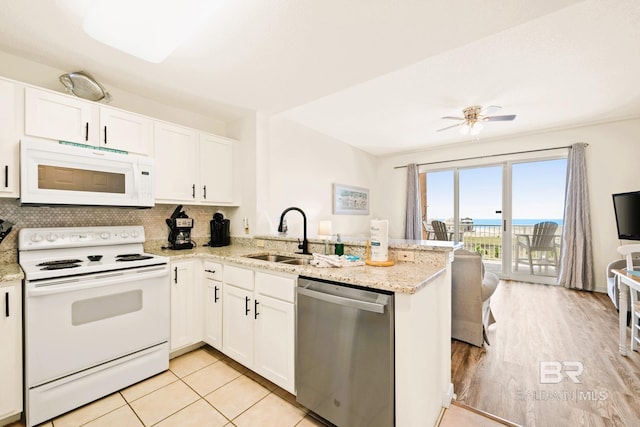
pixel 305 243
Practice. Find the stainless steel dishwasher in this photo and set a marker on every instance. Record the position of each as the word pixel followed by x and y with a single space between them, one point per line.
pixel 345 353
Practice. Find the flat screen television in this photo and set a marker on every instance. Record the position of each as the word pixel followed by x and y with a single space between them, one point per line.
pixel 627 209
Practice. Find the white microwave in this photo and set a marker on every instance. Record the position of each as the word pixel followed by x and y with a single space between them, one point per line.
pixel 69 174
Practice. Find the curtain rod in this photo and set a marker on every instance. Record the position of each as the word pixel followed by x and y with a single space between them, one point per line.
pixel 492 155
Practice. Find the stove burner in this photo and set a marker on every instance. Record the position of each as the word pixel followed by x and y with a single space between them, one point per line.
pixel 57 262
pixel 132 257
pixel 59 266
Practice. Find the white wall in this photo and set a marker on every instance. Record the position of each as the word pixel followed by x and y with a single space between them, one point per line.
pixel 303 164
pixel 613 165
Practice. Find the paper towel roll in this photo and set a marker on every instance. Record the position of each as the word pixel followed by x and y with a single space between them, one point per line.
pixel 379 240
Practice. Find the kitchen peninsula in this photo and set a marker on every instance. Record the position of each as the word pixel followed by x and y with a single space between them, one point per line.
pixel 422 289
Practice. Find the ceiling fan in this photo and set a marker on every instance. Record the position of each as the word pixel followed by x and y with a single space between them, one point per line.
pixel 471 123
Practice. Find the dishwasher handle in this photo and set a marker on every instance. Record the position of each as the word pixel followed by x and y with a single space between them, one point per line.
pixel 375 307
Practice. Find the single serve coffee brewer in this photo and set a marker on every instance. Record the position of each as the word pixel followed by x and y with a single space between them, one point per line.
pixel 219 231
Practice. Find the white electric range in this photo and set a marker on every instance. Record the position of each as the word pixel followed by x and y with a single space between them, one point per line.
pixel 96 315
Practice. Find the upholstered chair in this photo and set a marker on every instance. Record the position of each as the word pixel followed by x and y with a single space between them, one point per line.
pixel 472 288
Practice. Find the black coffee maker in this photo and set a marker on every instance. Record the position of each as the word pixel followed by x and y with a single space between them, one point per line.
pixel 180 226
pixel 220 231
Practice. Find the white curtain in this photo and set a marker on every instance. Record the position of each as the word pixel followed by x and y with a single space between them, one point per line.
pixel 576 266
pixel 413 217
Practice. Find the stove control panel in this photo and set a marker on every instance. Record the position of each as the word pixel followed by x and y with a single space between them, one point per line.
pixel 50 238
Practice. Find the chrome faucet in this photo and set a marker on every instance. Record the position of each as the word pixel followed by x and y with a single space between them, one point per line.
pixel 282 227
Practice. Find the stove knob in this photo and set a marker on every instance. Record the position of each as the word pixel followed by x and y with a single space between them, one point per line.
pixel 52 237
pixel 104 235
pixel 124 234
pixel 134 234
pixel 36 238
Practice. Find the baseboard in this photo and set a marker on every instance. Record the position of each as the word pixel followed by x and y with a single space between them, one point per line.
pixel 448 396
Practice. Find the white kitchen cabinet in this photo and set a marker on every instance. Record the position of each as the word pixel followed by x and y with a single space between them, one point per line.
pixel 237 312
pixel 194 167
pixel 123 130
pixel 212 331
pixel 275 329
pixel 259 323
pixel 62 117
pixel 216 169
pixel 175 151
pixel 10 349
pixel 11 130
pixel 185 323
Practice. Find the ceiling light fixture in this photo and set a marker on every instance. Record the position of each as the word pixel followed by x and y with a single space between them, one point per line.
pixel 147 29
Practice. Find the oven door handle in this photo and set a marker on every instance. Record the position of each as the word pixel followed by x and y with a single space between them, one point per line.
pixel 74 284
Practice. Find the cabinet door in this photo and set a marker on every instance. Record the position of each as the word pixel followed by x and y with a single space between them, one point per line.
pixel 237 324
pixel 56 116
pixel 182 305
pixel 175 153
pixel 125 131
pixel 216 169
pixel 11 119
pixel 10 350
pixel 213 304
pixel 274 341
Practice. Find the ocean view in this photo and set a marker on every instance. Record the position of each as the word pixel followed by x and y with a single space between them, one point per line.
pixel 515 221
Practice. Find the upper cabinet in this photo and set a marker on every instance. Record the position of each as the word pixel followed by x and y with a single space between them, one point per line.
pixel 11 130
pixel 61 117
pixel 194 167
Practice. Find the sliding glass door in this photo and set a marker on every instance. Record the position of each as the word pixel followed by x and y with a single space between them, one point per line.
pixel 510 212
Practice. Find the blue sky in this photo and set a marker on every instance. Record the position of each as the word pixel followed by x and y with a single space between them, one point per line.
pixel 538 191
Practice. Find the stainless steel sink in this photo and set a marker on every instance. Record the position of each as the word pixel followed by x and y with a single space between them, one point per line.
pixel 282 259
pixel 271 257
pixel 296 261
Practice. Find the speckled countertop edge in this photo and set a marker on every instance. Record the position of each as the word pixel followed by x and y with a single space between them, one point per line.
pixel 10 272
pixel 401 277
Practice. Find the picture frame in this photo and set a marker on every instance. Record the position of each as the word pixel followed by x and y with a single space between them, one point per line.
pixel 350 200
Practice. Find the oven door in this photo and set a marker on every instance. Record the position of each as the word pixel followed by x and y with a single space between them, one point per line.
pixel 75 323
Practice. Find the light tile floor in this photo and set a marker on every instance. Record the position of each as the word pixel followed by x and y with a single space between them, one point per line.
pixel 201 388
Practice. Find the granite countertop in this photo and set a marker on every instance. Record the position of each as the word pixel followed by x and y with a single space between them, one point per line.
pixel 403 277
pixel 10 272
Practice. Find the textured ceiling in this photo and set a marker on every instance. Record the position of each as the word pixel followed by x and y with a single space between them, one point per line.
pixel 374 74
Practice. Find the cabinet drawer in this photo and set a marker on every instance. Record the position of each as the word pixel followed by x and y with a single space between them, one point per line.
pixel 212 270
pixel 282 288
pixel 240 277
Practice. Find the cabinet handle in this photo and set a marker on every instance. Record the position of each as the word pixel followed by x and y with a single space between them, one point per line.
pixel 215 294
pixel 255 309
pixel 175 277
pixel 6 305
pixel 86 131
pixel 210 271
pixel 105 135
pixel 246 306
pixel 204 189
pixel 193 191
pixel 6 176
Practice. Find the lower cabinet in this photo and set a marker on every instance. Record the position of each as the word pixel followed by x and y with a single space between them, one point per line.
pixel 259 323
pixel 186 323
pixel 212 331
pixel 10 349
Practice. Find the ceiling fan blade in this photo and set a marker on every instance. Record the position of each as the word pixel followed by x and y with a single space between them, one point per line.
pixel 490 110
pixel 499 118
pixel 453 118
pixel 449 127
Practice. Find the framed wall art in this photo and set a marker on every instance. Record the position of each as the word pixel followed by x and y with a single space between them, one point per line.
pixel 348 200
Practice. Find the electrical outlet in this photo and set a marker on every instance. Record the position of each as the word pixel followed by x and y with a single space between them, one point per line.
pixel 405 256
pixel 260 243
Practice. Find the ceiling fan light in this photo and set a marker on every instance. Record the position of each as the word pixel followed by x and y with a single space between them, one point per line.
pixel 476 128
pixel 465 129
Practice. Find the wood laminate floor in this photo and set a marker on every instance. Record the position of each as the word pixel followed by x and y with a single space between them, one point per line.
pixel 543 325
